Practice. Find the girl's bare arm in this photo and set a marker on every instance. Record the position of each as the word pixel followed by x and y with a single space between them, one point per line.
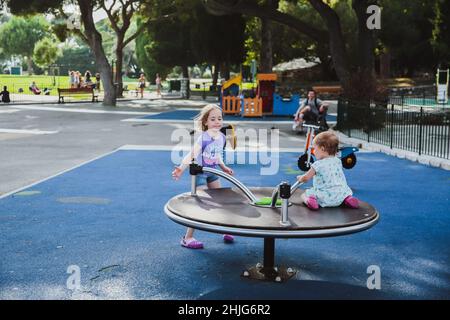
pixel 307 176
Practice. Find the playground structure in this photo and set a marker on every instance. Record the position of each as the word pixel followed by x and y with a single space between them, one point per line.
pixel 442 80
pixel 265 90
pixel 239 211
pixel 266 101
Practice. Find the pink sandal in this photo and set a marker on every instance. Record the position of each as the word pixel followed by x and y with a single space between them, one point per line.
pixel 192 243
pixel 351 202
pixel 311 203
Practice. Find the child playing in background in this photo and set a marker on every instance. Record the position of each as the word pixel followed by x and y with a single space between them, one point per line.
pixel 208 153
pixel 34 88
pixel 330 187
pixel 72 79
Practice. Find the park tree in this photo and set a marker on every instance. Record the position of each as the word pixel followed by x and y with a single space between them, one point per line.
pixel 78 58
pixel 407 34
pixel 144 43
pixel 266 53
pixel 440 40
pixel 189 35
pixel 330 32
pixel 19 35
pixel 46 52
pixel 119 14
pixel 218 41
pixel 289 44
pixel 171 37
pixel 88 32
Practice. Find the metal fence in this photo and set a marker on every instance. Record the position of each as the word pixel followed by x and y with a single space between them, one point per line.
pixel 22 94
pixel 425 130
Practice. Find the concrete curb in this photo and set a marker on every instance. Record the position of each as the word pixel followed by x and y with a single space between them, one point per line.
pixel 402 154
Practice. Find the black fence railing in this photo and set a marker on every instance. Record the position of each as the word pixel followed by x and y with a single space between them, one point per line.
pixel 425 131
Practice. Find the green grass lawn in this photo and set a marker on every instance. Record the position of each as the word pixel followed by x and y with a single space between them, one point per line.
pixel 14 82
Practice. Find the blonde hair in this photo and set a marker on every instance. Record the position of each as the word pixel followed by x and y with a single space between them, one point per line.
pixel 327 140
pixel 202 117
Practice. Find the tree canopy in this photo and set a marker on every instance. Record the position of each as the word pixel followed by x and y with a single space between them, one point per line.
pixel 46 52
pixel 414 35
pixel 19 35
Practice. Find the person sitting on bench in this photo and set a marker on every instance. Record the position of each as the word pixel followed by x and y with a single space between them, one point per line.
pixel 88 83
pixel 311 110
pixel 34 88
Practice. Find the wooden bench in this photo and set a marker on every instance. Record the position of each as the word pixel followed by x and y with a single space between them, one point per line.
pixel 75 91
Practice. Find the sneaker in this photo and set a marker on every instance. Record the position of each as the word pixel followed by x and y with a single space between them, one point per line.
pixel 228 238
pixel 351 202
pixel 191 243
pixel 311 203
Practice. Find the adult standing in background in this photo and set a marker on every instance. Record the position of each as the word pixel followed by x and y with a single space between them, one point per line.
pixel 97 81
pixel 141 84
pixel 158 85
pixel 72 79
pixel 77 79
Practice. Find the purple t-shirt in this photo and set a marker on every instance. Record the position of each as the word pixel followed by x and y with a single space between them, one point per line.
pixel 212 149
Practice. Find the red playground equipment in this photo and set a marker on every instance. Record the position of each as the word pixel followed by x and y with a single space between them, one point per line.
pixel 265 90
pixel 234 103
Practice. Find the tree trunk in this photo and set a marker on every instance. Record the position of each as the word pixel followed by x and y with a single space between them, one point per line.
pixel 266 54
pixel 326 63
pixel 385 65
pixel 95 43
pixel 225 70
pixel 365 47
pixel 30 65
pixel 216 74
pixel 119 66
pixel 336 40
pixel 266 60
pixel 185 72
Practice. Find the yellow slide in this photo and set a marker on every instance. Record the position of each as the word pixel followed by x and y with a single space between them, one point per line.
pixel 236 80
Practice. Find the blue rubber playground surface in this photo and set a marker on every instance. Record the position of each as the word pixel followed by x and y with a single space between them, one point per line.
pixel 190 115
pixel 107 218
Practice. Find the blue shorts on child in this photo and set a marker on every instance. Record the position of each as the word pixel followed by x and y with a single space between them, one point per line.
pixel 205 178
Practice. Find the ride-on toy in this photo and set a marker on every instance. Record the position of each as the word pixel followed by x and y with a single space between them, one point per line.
pixel 346 154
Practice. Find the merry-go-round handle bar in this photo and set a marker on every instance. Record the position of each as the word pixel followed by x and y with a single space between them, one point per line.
pixel 234 181
pixel 275 192
pixel 295 186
